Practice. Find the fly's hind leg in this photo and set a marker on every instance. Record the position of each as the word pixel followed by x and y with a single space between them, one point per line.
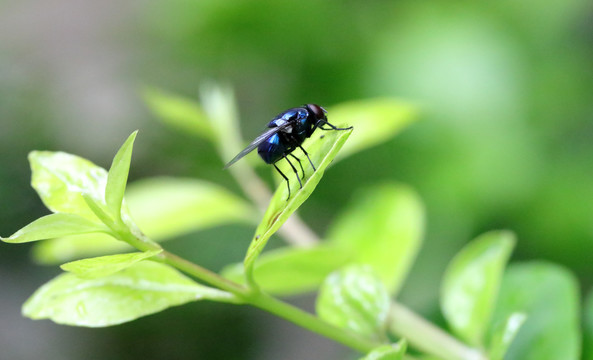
pixel 307 155
pixel 295 171
pixel 285 178
pixel 301 165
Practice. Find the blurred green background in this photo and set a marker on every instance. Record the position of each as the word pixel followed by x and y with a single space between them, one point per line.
pixel 504 138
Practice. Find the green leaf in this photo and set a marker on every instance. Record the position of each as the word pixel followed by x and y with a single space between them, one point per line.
pixel 53 226
pixel 60 250
pixel 142 289
pixel 322 150
pixel 355 299
pixel 471 283
pixel 388 352
pixel 549 296
pixel 375 120
pixel 167 207
pixel 503 335
pixel 305 267
pixel 60 179
pixel 118 177
pixel 106 265
pixel 383 227
pixel 162 208
pixel 179 112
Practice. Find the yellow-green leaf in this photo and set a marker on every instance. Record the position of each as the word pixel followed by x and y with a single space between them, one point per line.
pixel 471 283
pixel 142 289
pixel 106 265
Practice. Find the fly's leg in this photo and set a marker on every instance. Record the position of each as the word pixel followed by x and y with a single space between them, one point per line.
pixel 323 122
pixel 285 178
pixel 301 165
pixel 307 155
pixel 295 171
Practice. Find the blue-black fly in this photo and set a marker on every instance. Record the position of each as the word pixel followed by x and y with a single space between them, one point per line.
pixel 287 131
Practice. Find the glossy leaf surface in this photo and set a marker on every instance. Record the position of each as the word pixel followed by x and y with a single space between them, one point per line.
pixel 471 283
pixel 60 179
pixel 117 177
pixel 53 226
pixel 93 268
pixel 142 289
pixel 382 227
pixel 549 297
pixel 354 298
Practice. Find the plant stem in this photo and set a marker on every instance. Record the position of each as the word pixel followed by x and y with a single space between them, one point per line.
pixel 310 322
pixel 427 337
pixel 270 304
pixel 203 274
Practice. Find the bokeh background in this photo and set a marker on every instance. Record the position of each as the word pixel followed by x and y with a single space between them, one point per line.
pixel 504 139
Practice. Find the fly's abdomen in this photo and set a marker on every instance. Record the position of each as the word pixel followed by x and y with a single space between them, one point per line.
pixel 272 149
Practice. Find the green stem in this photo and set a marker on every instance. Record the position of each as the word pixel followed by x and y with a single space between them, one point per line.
pixel 203 274
pixel 310 322
pixel 270 304
pixel 427 337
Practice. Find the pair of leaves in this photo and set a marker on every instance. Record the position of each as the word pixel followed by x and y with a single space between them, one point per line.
pixel 528 312
pixel 84 197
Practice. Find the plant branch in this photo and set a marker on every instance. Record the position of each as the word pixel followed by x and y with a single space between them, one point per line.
pixel 427 337
pixel 270 304
pixel 203 274
pixel 310 322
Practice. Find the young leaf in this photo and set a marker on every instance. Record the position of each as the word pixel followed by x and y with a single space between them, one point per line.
pixel 163 208
pixel 142 289
pixel 60 179
pixel 93 268
pixel 167 207
pixel 305 267
pixel 322 150
pixel 375 120
pixel 383 227
pixel 118 177
pixel 503 335
pixel 53 226
pixel 354 298
pixel 471 283
pixel 549 297
pixel 63 249
pixel 178 112
pixel 388 352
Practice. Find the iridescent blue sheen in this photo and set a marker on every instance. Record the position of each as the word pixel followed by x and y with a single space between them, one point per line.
pixel 272 149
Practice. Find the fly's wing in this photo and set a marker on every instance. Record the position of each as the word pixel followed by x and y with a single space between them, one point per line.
pixel 258 140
